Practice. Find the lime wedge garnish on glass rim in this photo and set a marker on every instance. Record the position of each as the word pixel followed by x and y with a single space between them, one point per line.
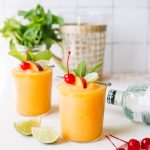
pixel 91 77
pixel 45 135
pixel 43 63
pixel 24 127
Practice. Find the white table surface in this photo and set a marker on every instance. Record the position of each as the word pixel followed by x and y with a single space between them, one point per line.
pixel 115 122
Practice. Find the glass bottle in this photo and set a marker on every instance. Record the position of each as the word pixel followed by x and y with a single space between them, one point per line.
pixel 135 101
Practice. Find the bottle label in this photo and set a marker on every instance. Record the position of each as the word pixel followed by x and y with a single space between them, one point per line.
pixel 146 117
pixel 111 96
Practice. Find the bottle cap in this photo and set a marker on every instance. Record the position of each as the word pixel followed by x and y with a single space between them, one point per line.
pixel 111 96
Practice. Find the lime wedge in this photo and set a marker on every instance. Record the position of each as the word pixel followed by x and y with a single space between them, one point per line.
pixel 44 135
pixel 24 127
pixel 91 77
pixel 43 63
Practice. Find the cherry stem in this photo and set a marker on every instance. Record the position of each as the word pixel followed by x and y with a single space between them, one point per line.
pixel 118 138
pixel 68 61
pixel 110 141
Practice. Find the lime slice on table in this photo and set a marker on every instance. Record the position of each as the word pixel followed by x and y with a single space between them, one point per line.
pixel 91 77
pixel 24 127
pixel 45 135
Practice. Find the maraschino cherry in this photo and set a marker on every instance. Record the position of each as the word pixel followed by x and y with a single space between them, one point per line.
pixel 25 65
pixel 69 78
pixel 148 147
pixel 145 142
pixel 133 144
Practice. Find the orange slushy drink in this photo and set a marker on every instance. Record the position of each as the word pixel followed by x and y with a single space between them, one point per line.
pixel 33 89
pixel 82 111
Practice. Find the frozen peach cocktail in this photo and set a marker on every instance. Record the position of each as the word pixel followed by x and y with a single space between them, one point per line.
pixel 33 88
pixel 82 111
pixel 81 103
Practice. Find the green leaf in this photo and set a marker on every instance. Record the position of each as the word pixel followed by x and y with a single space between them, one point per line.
pixel 12 45
pixel 17 55
pixel 49 43
pixel 21 13
pixel 76 72
pixel 30 14
pixel 58 20
pixel 48 18
pixel 12 23
pixel 29 56
pixel 42 55
pixel 96 66
pixel 81 69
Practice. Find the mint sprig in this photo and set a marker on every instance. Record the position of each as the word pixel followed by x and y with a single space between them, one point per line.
pixel 96 66
pixel 82 68
pixel 37 27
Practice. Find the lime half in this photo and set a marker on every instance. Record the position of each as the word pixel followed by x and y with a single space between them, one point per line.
pixel 91 77
pixel 24 127
pixel 45 135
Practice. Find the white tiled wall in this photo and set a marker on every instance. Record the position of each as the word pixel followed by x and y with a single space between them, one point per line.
pixel 128 34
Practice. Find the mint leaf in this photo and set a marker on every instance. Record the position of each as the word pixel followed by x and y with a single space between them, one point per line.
pixel 12 45
pixel 81 69
pixel 21 13
pixel 17 55
pixel 58 20
pixel 48 18
pixel 96 66
pixel 42 55
pixel 76 72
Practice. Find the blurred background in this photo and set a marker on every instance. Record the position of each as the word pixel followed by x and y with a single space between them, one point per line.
pixel 128 29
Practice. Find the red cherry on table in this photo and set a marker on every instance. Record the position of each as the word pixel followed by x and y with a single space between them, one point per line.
pixel 69 78
pixel 25 65
pixel 148 147
pixel 133 144
pixel 145 142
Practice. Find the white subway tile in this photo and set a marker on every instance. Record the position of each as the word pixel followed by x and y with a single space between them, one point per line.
pixel 99 16
pixel 94 11
pixel 1 16
pixel 148 59
pixel 21 4
pixel 109 32
pixel 148 32
pixel 131 3
pixel 107 59
pixel 3 52
pixel 63 11
pixel 149 24
pixel 95 3
pixel 1 3
pixel 130 25
pixel 3 42
pixel 59 3
pixel 10 12
pixel 129 58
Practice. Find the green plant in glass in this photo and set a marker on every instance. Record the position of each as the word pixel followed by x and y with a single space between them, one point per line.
pixel 32 29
